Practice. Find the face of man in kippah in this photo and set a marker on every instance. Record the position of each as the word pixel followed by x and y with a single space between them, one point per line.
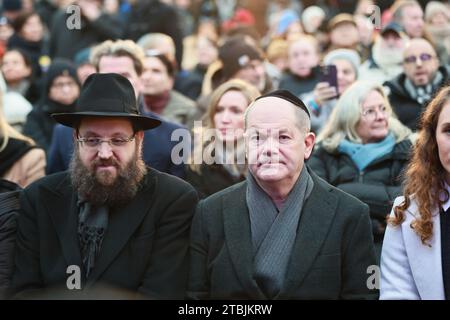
pixel 276 146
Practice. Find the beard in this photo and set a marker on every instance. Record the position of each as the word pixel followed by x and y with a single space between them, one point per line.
pixel 101 187
pixel 385 56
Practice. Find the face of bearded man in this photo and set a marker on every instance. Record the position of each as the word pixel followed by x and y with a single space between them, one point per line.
pixel 107 175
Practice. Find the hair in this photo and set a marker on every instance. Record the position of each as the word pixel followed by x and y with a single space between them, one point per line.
pixel 248 90
pixel 119 48
pixel 423 176
pixel 398 7
pixel 7 131
pixel 154 41
pixel 308 38
pixel 22 19
pixel 165 60
pixel 250 93
pixel 347 113
pixel 25 56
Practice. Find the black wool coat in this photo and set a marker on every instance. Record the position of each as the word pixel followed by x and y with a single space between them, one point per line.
pixel 377 186
pixel 144 250
pixel 210 179
pixel 330 256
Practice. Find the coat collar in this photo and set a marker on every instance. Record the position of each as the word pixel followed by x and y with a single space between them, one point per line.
pixel 62 208
pixel 425 261
pixel 238 238
pixel 317 216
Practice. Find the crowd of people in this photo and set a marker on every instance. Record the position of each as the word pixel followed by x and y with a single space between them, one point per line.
pixel 174 149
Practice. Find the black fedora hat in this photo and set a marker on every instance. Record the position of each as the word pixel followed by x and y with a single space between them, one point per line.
pixel 107 95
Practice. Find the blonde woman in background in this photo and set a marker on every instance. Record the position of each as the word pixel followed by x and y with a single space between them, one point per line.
pixel 362 150
pixel 20 160
pixel 225 119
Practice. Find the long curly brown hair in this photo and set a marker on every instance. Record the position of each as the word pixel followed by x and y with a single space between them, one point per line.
pixel 423 176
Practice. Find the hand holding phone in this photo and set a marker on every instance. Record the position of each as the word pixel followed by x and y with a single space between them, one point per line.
pixel 328 74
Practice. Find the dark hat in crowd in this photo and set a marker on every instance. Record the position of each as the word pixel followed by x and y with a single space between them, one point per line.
pixel 392 27
pixel 60 67
pixel 82 57
pixel 12 5
pixel 288 96
pixel 236 54
pixel 107 95
pixel 339 19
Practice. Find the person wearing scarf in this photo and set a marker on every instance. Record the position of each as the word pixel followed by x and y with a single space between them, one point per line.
pixel 283 233
pixel 363 149
pixel 413 89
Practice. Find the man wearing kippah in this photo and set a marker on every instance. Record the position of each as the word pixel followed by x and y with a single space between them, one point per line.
pixel 110 227
pixel 284 233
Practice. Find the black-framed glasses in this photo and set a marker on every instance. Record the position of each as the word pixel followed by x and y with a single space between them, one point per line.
pixel 60 85
pixel 424 57
pixel 95 142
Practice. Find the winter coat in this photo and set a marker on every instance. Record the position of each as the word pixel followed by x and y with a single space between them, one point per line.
pixel 9 210
pixel 377 185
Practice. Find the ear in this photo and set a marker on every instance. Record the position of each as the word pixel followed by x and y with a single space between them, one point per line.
pixel 139 135
pixel 310 139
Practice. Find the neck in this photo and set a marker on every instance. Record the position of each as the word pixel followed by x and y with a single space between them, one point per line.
pixel 279 191
pixel 156 103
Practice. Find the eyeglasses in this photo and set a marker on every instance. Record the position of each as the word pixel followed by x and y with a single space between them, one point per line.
pixel 371 113
pixel 424 57
pixel 94 142
pixel 60 85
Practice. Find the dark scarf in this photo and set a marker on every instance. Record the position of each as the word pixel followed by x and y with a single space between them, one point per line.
pixel 15 149
pixel 273 232
pixel 92 225
pixel 158 103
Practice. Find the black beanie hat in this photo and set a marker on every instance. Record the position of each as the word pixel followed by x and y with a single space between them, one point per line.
pixel 288 96
pixel 60 67
pixel 235 54
pixel 12 5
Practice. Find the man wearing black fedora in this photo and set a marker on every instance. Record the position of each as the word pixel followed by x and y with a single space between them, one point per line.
pixel 110 227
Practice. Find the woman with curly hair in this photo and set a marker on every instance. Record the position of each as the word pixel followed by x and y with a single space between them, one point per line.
pixel 415 260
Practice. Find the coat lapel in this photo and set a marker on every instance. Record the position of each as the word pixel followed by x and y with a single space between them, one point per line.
pixel 62 208
pixel 121 226
pixel 425 261
pixel 315 221
pixel 238 238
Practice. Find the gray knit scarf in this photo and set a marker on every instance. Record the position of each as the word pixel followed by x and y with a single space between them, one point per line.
pixel 273 232
pixel 92 225
pixel 423 94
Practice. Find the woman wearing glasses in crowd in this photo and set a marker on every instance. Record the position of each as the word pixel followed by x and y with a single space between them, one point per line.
pixel 362 150
pixel 219 162
pixel 61 90
pixel 415 261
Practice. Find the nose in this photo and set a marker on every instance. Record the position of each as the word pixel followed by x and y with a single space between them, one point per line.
pixel 226 117
pixel 380 115
pixel 269 147
pixel 419 62
pixel 104 150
